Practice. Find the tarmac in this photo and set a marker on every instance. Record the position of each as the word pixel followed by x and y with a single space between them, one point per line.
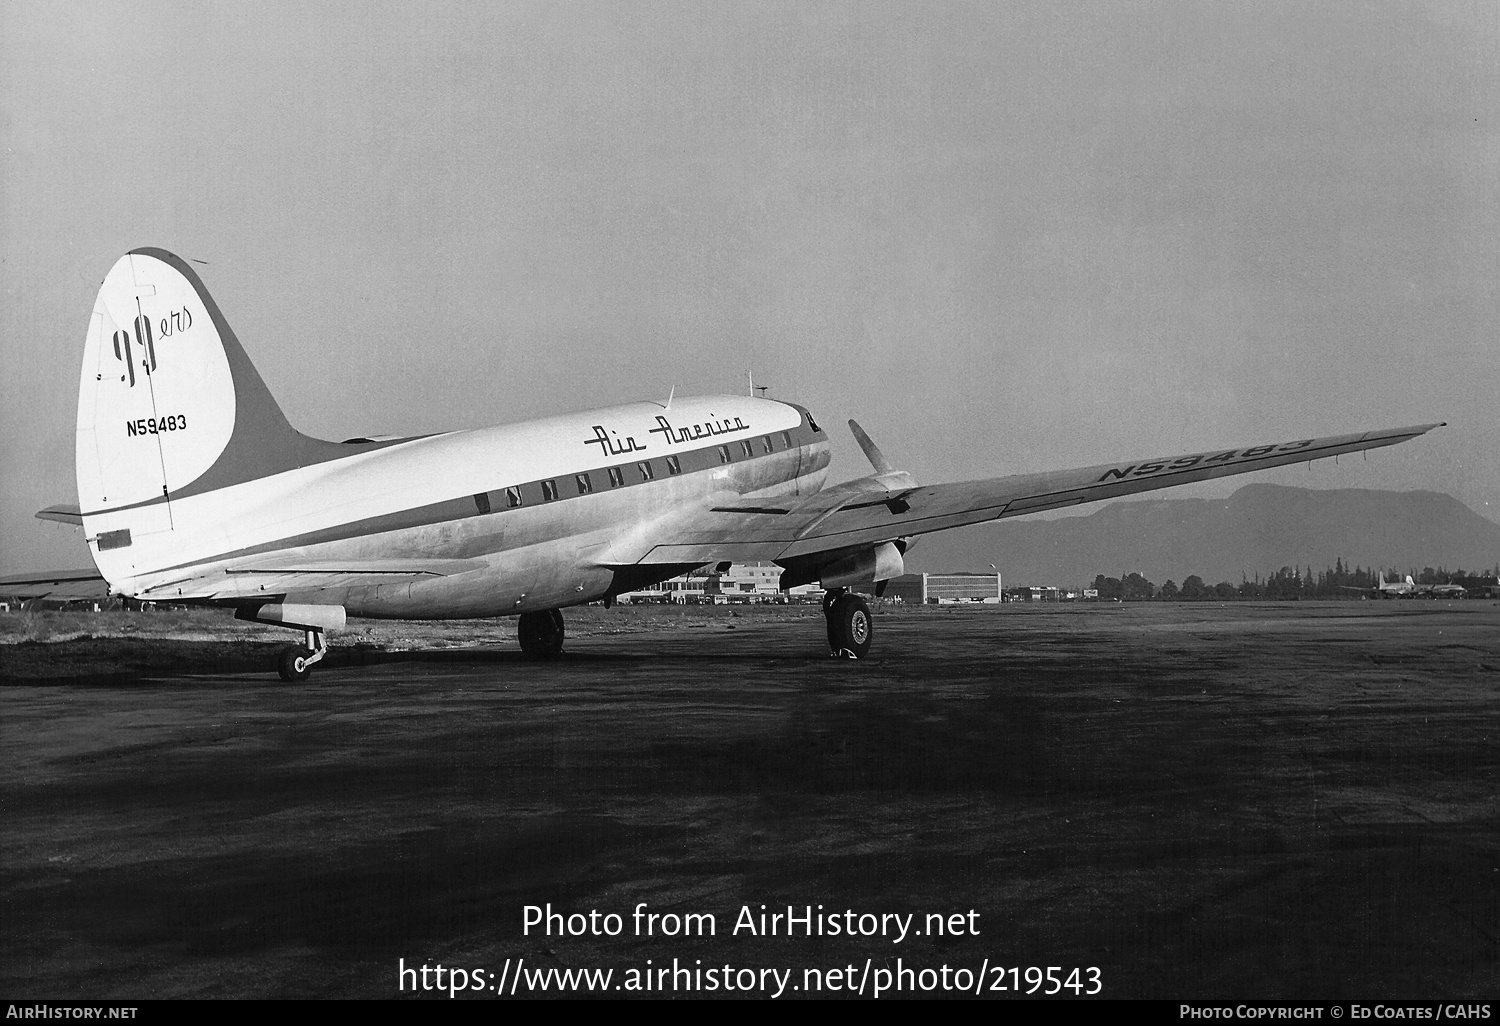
pixel 1194 801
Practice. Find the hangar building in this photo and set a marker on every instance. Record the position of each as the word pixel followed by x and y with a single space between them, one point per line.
pixel 924 589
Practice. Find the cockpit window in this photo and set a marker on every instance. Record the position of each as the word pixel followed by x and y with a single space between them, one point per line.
pixel 814 425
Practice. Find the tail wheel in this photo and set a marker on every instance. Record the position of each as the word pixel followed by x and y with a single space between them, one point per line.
pixel 851 629
pixel 541 634
pixel 295 664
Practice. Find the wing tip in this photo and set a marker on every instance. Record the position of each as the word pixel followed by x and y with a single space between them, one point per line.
pixel 1403 433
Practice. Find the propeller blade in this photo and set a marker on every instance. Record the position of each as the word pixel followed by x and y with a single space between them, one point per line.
pixel 872 451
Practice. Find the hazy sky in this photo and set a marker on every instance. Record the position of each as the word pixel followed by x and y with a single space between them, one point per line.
pixel 1004 237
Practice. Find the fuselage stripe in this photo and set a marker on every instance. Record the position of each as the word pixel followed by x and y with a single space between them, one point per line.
pixel 564 485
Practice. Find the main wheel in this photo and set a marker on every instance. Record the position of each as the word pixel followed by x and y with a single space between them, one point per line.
pixel 294 664
pixel 850 626
pixel 541 634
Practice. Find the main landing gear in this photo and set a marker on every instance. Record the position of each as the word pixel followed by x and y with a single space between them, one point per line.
pixel 850 626
pixel 541 634
pixel 297 663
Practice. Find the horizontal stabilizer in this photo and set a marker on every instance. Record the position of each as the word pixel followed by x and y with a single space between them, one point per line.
pixel 58 585
pixel 62 513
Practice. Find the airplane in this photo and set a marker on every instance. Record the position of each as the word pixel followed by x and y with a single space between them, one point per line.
pixel 1410 589
pixel 1384 589
pixel 193 487
pixel 1445 591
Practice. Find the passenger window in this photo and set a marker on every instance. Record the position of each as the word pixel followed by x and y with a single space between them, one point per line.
pixel 786 439
pixel 674 466
pixel 745 446
pixel 513 496
pixel 482 502
pixel 723 454
pixel 549 491
pixel 584 484
pixel 616 477
pixel 765 443
pixel 646 472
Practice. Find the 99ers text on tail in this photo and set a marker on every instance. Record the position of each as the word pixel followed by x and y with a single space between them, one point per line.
pixel 156 425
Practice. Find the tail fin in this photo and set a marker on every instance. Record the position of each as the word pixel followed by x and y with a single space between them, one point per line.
pixel 169 406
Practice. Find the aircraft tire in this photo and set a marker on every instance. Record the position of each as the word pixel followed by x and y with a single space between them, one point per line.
pixel 850 626
pixel 293 666
pixel 541 634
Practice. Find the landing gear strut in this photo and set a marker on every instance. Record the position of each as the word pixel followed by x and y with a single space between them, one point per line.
pixel 541 634
pixel 296 663
pixel 850 626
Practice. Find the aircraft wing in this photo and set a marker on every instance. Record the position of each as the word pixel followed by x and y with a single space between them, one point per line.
pixel 871 511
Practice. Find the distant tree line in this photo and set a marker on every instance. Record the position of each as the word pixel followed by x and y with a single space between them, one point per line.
pixel 1288 583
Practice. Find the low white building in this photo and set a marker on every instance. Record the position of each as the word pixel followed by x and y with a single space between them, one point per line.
pixel 741 583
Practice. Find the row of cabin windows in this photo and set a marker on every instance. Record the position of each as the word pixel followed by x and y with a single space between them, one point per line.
pixel 747 447
pixel 585 484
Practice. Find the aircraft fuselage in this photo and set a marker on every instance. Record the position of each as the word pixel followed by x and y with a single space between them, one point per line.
pixel 547 511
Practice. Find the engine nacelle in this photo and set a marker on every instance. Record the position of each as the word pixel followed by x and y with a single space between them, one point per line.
pixel 880 563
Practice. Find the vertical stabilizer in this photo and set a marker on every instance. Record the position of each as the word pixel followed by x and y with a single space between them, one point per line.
pixel 169 406
pixel 156 397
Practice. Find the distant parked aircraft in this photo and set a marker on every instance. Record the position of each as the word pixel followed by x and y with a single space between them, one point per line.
pixel 1411 589
pixel 193 487
pixel 1396 589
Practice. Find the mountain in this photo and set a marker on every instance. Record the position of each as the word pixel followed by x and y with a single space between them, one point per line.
pixel 1257 530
